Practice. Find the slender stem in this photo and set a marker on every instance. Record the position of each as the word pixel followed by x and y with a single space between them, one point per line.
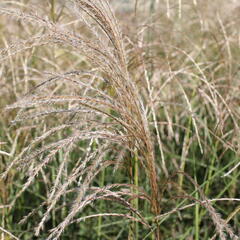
pixel 197 220
pixel 99 229
pixel 210 172
pixel 185 148
pixel 53 15
pixel 184 153
pixel 3 223
pixel 131 225
pixel 136 190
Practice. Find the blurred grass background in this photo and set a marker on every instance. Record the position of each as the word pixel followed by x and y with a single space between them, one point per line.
pixel 184 45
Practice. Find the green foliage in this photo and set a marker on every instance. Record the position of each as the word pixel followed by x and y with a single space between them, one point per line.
pixel 119 128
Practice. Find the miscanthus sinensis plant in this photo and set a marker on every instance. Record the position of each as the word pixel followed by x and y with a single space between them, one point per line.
pixel 98 116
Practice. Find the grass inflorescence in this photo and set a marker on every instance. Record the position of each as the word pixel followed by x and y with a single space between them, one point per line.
pixel 119 120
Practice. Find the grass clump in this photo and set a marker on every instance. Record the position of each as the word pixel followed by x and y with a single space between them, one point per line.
pixel 116 127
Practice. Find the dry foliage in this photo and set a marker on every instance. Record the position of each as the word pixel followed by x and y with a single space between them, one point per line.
pixel 105 108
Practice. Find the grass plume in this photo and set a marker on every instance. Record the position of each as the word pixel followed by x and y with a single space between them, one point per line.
pixel 105 112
